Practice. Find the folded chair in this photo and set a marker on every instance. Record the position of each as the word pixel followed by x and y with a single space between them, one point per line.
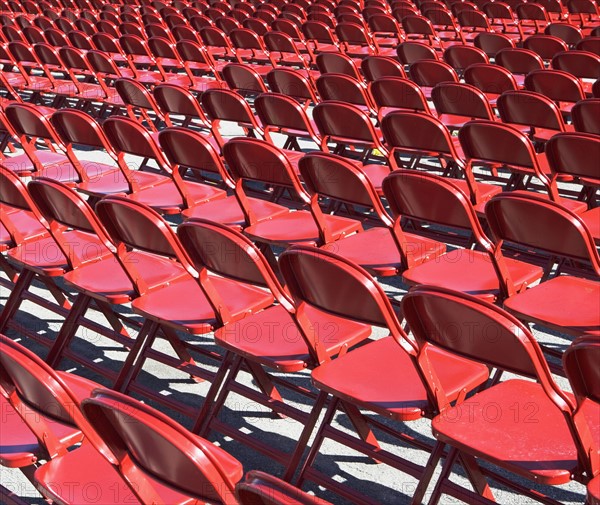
pixel 543 443
pixel 566 303
pixel 501 146
pixel 258 161
pixel 379 377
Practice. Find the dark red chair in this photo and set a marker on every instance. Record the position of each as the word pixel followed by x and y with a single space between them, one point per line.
pixel 535 222
pixel 519 62
pixel 186 149
pixel 255 160
pixel 469 430
pixel 395 391
pixel 493 80
pixel 338 63
pixel 574 155
pixel 564 88
pixel 457 103
pixel 501 146
pixel 243 79
pixel 343 88
pixel 545 45
pixel 396 93
pixel 566 31
pixel 374 67
pixel 138 473
pixel 460 57
pixel 586 115
pixel 491 43
pixel 582 64
pixel 294 84
pixel 408 52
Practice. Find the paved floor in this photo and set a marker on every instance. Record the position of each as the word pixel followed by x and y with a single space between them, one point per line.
pixel 381 483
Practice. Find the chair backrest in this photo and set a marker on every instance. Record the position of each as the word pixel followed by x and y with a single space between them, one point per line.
pixel 580 362
pixel 543 225
pixel 489 78
pixel 582 64
pixel 335 177
pixel 42 395
pixel 460 57
pixel 314 277
pixel 257 160
pixel 340 120
pixel 76 127
pixel 13 193
pixel 399 93
pixel 242 78
pixel 174 99
pixel 555 84
pixel 374 67
pixel 135 94
pixel 491 43
pixel 409 52
pixel 545 45
pixel 431 72
pixel 461 99
pixel 430 198
pixel 530 109
pixel 343 88
pixel 337 63
pixel 145 440
pixel 186 148
pixel 229 253
pixel 586 115
pixel 571 34
pixel 226 105
pixel 292 83
pixel 575 154
pixel 519 61
pixel 462 325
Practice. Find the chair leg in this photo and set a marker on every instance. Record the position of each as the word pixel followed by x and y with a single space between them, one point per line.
pixel 304 437
pixel 182 352
pixel 8 269
pixel 68 329
pixel 16 296
pixel 446 469
pixel 432 463
pixel 112 318
pixel 361 426
pixel 135 358
pixel 208 403
pixel 204 428
pixel 57 293
pixel 317 442
pixel 265 384
pixel 476 478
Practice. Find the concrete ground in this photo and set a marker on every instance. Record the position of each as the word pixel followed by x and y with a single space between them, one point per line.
pixel 378 481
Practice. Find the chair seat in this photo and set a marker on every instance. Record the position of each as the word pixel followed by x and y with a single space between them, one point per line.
pixel 166 198
pixel 22 165
pixel 299 227
pixel 107 281
pixel 85 465
pixel 376 173
pixel 592 219
pixel 111 183
pixel 396 389
pixel 565 303
pixel 515 426
pixel 272 339
pixel 376 251
pixel 65 172
pixel 227 211
pixel 18 445
pixel 470 272
pixel 182 305
pixel 26 224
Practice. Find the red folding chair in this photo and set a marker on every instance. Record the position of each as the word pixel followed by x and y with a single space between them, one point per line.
pixel 493 80
pixel 395 93
pixel 284 51
pixel 346 127
pixel 250 50
pixel 243 79
pixel 491 43
pixel 565 89
pixel 457 103
pixel 566 31
pixel 501 146
pixel 294 84
pixel 579 312
pixel 574 155
pixel 460 57
pixel 455 220
pixel 504 20
pixel 545 45
pixel 470 431
pixel 374 67
pixel 255 160
pixel 585 116
pixel 379 377
pixel 520 62
pixel 428 73
pixel 187 149
pixel 338 63
pixel 582 64
pixel 175 192
pixel 129 429
pixel 532 17
pixel 408 52
pixel 174 101
pixel 343 88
